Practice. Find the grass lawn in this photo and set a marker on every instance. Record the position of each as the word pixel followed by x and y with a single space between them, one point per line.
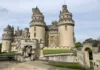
pixel 56 51
pixel 91 65
pixel 7 54
pixel 68 65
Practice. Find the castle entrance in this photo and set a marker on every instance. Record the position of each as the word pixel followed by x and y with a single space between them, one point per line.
pixel 27 50
pixel 88 57
pixel 28 53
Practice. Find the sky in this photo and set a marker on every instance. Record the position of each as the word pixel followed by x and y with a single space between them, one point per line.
pixel 86 14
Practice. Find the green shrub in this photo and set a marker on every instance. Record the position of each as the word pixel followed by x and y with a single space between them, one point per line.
pixel 78 44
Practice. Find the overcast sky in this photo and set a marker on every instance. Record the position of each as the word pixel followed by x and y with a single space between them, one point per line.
pixel 86 14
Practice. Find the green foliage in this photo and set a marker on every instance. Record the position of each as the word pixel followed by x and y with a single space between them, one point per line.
pixel 91 65
pixel 68 65
pixel 78 44
pixel 56 51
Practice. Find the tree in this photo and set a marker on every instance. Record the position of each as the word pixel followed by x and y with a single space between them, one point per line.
pixel 78 44
pixel 89 40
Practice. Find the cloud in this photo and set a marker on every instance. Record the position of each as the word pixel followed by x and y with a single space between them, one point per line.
pixel 3 9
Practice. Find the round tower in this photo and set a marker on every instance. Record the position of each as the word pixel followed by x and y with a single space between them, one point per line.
pixel 7 39
pixel 66 28
pixel 37 25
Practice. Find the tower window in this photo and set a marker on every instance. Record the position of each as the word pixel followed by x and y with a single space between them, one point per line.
pixel 34 34
pixel 34 28
pixel 65 27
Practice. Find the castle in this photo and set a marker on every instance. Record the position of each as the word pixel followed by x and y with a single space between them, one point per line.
pixel 30 42
pixel 59 34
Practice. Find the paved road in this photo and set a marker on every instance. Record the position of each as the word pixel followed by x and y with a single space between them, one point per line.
pixel 33 65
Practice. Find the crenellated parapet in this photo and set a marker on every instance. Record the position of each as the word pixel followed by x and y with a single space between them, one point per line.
pixel 37 18
pixel 9 28
pixel 6 37
pixel 8 33
pixel 65 17
pixel 18 32
pixel 53 27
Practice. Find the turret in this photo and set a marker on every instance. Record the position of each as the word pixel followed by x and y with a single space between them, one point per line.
pixel 37 25
pixel 7 38
pixel 66 28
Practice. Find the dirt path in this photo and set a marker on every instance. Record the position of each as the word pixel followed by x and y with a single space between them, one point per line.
pixel 33 65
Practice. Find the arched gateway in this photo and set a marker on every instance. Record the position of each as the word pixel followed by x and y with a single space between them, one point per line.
pixel 89 56
pixel 26 53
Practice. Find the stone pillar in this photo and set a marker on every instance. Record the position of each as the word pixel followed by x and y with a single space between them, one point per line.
pixel 41 49
pixel 41 53
pixel 87 61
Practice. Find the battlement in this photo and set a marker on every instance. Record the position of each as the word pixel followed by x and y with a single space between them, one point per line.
pixel 6 37
pixel 65 17
pixel 9 28
pixel 29 41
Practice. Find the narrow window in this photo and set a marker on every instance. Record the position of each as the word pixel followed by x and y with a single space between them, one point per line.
pixel 67 15
pixel 34 34
pixel 34 28
pixel 65 27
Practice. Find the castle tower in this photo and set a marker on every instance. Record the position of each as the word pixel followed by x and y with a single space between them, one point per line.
pixel 66 28
pixel 37 25
pixel 7 38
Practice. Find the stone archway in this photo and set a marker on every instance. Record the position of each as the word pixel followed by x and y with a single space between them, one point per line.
pixel 88 56
pixel 28 53
pixel 27 50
